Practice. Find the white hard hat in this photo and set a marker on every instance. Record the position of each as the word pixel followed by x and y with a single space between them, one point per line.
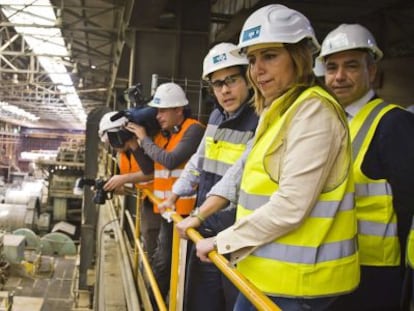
pixel 106 124
pixel 349 37
pixel 219 57
pixel 276 23
pixel 169 95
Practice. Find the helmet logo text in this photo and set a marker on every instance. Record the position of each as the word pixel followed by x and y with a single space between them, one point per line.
pixel 251 33
pixel 219 58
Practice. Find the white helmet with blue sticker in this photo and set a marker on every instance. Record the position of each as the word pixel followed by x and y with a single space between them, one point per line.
pixel 276 23
pixel 169 95
pixel 220 57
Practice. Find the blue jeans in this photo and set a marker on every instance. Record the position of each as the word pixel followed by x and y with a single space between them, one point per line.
pixel 207 288
pixel 289 304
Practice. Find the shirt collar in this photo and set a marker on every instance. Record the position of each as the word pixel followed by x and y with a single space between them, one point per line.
pixel 353 108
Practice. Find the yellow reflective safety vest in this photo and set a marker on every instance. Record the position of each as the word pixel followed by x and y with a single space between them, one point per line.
pixel 165 178
pixel 410 246
pixel 320 257
pixel 377 222
pixel 221 154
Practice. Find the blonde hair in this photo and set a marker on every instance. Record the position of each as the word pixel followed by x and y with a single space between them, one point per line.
pixel 302 59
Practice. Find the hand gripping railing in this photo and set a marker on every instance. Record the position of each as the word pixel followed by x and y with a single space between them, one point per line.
pixel 251 292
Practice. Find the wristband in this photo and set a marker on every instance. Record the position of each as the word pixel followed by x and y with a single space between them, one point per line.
pixel 196 213
pixel 200 218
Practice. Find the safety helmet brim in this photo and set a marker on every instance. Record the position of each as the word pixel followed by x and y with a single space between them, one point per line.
pixel 169 95
pixel 276 23
pixel 220 57
pixel 350 37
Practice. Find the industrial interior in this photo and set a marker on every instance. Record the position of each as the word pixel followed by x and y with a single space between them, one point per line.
pixel 63 64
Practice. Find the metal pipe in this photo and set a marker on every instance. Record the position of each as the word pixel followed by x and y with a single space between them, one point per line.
pixel 148 270
pixel 130 289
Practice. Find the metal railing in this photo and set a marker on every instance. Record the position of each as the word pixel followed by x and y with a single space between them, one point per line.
pixel 251 292
pixel 143 274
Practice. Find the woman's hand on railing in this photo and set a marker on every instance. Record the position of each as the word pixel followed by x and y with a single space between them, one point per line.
pixel 205 246
pixel 188 222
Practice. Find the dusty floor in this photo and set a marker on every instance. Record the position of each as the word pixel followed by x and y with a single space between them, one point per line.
pixel 48 290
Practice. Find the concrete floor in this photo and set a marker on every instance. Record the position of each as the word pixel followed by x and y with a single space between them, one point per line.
pixel 46 291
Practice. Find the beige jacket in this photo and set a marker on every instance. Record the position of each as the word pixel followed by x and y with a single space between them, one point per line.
pixel 312 159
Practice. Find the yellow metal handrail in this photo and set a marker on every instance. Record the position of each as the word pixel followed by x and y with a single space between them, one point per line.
pixel 147 268
pixel 251 292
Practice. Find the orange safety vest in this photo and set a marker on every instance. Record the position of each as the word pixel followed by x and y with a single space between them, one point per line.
pixel 129 165
pixel 165 178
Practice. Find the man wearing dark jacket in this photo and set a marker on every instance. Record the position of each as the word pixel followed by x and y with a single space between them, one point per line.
pixel 383 152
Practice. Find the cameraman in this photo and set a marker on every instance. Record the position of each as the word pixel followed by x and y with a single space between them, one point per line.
pixel 177 141
pixel 135 167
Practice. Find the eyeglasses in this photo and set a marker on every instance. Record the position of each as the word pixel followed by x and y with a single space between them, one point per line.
pixel 229 81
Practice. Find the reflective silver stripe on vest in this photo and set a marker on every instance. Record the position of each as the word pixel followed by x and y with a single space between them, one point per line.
pixel 412 225
pixel 160 194
pixel 373 189
pixel 323 209
pixel 306 254
pixel 166 194
pixel 252 202
pixel 377 229
pixel 210 130
pixel 215 167
pixel 328 209
pixel 167 173
pixel 363 131
pixel 229 135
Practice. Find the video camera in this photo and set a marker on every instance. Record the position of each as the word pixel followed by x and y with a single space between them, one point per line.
pixel 140 114
pixel 134 96
pixel 100 194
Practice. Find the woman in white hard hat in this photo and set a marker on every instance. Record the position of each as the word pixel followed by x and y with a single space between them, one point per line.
pixel 230 126
pixel 294 237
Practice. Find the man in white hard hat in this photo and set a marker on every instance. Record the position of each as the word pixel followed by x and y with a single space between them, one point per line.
pixel 171 149
pixel 134 167
pixel 230 126
pixel 383 154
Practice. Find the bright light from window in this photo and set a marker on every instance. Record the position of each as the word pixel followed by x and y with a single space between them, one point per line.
pixel 42 39
pixel 16 112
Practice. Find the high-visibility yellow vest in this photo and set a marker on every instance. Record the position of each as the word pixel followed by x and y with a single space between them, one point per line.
pixel 410 246
pixel 377 222
pixel 224 142
pixel 220 155
pixel 320 257
pixel 128 164
pixel 165 178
